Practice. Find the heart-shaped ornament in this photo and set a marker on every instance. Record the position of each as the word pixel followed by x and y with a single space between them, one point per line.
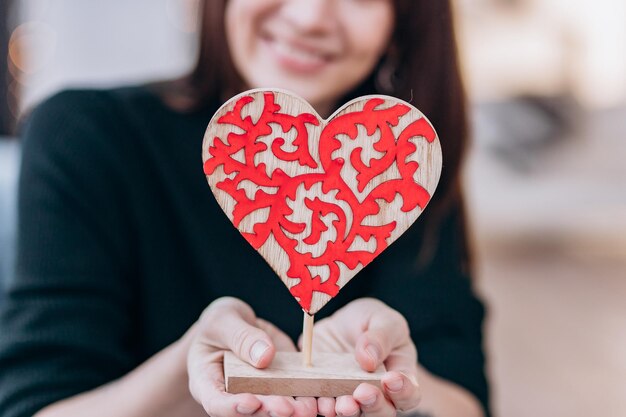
pixel 320 199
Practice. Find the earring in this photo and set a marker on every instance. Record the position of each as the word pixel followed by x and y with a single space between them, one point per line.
pixel 386 75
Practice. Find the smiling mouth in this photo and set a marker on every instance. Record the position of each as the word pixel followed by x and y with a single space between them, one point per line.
pixel 295 57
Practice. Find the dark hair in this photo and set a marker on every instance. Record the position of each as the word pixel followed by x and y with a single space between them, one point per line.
pixel 420 66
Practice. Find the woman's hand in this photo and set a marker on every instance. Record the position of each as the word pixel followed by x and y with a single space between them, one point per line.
pixel 230 324
pixel 376 334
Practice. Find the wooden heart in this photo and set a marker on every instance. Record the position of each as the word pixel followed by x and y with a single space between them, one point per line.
pixel 320 199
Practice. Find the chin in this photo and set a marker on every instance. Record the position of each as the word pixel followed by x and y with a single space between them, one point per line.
pixel 310 93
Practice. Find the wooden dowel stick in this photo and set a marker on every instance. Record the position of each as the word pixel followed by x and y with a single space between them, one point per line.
pixel 307 339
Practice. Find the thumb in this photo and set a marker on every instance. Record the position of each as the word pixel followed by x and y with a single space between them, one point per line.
pixel 386 331
pixel 234 327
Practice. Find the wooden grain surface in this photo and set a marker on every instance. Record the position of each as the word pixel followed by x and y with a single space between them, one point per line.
pixel 332 375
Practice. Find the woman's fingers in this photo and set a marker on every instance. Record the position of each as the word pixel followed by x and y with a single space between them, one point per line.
pixel 404 360
pixel 386 331
pixel 282 342
pixel 402 390
pixel 228 405
pixel 302 406
pixel 326 407
pixel 378 334
pixel 276 406
pixel 372 402
pixel 347 406
pixel 207 388
pixel 401 393
pixel 305 407
pixel 371 328
pixel 400 381
pixel 230 324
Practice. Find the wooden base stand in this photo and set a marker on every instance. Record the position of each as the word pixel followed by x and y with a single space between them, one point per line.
pixel 331 375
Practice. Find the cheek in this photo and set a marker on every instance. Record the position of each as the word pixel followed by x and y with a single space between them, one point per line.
pixel 238 25
pixel 242 19
pixel 370 44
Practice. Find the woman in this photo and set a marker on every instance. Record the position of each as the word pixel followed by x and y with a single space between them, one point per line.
pixel 122 246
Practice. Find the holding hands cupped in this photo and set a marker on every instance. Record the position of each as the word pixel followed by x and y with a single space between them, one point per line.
pixel 376 334
pixel 230 324
pixel 367 327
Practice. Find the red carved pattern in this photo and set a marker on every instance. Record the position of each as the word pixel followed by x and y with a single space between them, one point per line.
pixel 327 174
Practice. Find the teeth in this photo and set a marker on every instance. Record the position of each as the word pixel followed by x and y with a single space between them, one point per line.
pixel 305 56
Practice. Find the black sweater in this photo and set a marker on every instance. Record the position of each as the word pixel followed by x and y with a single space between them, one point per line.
pixel 122 245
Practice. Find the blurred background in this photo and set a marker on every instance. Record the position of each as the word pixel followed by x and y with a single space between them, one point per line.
pixel 546 178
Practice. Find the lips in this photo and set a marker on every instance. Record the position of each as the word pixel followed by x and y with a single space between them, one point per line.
pixel 296 56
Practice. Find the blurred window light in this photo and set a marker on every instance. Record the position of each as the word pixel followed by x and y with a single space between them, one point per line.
pixel 74 43
pixel 184 14
pixel 545 47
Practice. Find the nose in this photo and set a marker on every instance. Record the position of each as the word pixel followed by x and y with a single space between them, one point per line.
pixel 310 16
